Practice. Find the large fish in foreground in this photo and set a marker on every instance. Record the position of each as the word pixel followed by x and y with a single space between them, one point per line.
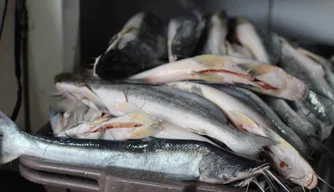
pixel 191 160
pixel 189 111
pixel 286 158
pixel 259 77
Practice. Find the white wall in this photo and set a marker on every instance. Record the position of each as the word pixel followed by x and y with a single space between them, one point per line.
pixel 8 84
pixel 52 48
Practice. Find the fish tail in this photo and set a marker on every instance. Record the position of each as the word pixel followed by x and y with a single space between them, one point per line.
pixel 11 138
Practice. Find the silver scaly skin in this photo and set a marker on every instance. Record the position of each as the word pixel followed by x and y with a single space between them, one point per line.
pixel 191 160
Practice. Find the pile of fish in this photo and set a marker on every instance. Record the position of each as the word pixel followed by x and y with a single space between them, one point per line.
pixel 214 99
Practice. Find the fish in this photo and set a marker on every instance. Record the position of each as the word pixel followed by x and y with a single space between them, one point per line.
pixel 68 112
pixel 291 118
pixel 327 67
pixel 263 45
pixel 323 127
pixel 181 108
pixel 286 158
pixel 187 32
pixel 242 51
pixel 83 130
pixel 319 99
pixel 140 45
pixel 214 34
pixel 259 77
pixel 191 160
pixel 251 99
pixel 173 26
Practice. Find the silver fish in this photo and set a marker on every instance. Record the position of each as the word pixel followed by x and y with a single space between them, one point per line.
pixel 286 158
pixel 214 34
pixel 181 108
pixel 254 75
pixel 186 37
pixel 191 160
pixel 291 118
pixel 329 75
pixel 261 107
pixel 320 97
pixel 83 130
pixel 263 45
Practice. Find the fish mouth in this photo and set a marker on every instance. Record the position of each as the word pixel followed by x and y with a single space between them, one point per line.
pixel 309 181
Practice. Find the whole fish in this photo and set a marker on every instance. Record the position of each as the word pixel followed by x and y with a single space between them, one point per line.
pixel 263 45
pixel 83 130
pixel 257 104
pixel 181 108
pixel 140 45
pixel 186 37
pixel 259 77
pixel 286 158
pixel 291 118
pixel 214 34
pixel 191 160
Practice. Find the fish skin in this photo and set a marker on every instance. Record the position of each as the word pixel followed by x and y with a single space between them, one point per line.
pixel 140 45
pixel 186 38
pixel 228 69
pixel 319 99
pixel 259 105
pixel 192 160
pixel 324 128
pixel 184 109
pixel 302 67
pixel 173 26
pixel 168 131
pixel 329 75
pixel 244 117
pixel 291 118
pixel 214 34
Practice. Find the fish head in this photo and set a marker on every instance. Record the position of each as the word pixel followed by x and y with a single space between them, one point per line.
pixel 291 165
pixel 115 64
pixel 71 87
pixel 225 169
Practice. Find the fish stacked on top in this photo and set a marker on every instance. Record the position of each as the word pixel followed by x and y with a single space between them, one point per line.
pixel 213 99
pixel 225 81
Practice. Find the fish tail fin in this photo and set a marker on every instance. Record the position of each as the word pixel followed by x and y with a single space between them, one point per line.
pixel 263 142
pixel 10 138
pixel 256 144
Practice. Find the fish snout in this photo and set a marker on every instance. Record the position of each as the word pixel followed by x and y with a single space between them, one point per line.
pixel 309 181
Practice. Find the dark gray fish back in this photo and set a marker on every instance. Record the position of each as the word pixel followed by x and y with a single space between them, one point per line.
pixel 186 38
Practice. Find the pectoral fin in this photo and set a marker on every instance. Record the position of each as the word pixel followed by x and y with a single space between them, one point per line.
pixel 145 131
pixel 242 121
